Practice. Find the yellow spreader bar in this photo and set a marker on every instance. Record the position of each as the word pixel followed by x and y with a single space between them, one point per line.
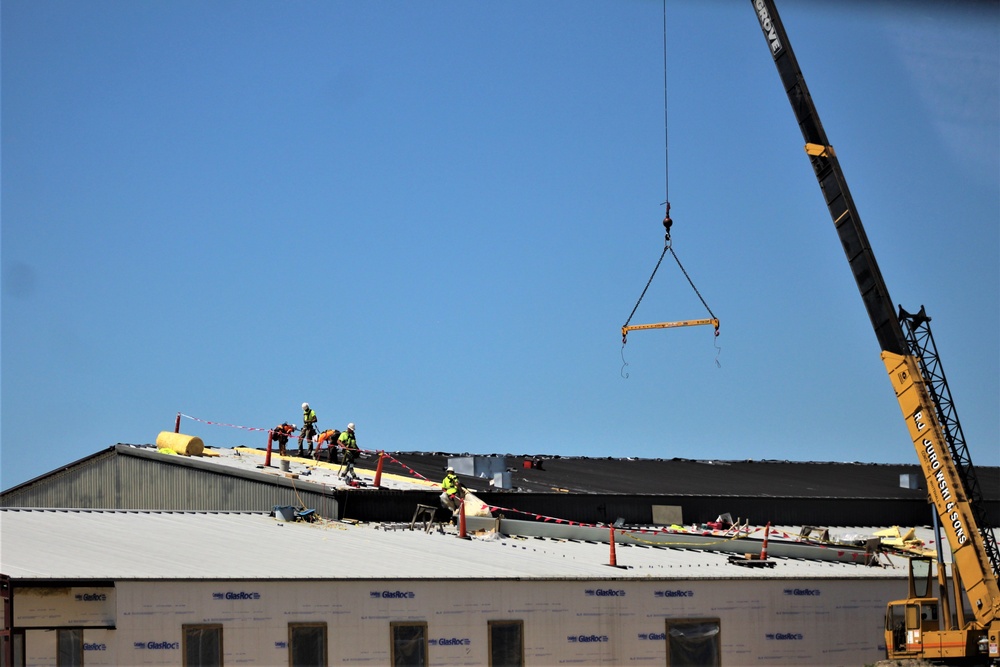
pixel 670 325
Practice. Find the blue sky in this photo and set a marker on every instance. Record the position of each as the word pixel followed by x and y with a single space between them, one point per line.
pixel 432 219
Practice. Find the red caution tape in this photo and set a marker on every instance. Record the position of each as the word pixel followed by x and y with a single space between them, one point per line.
pixel 256 428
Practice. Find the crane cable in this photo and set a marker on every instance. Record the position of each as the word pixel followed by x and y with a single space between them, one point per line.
pixel 667 221
pixel 666 173
pixel 666 145
pixel 666 176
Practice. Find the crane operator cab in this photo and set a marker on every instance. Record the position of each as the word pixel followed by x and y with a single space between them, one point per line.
pixel 907 621
pixel 915 628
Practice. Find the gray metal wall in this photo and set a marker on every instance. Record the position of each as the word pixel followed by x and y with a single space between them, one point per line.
pixel 127 478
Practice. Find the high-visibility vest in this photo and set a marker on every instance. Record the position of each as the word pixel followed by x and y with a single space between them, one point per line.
pixel 308 416
pixel 348 440
pixel 450 485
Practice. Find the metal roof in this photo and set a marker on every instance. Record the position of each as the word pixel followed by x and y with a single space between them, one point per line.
pixel 586 475
pixel 704 477
pixel 566 488
pixel 40 544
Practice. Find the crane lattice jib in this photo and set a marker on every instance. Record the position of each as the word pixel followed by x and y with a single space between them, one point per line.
pixel 921 341
pixel 931 424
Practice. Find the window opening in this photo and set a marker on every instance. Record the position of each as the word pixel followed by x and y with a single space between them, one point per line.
pixel 693 642
pixel 202 645
pixel 409 644
pixel 307 644
pixel 14 650
pixel 895 623
pixel 69 652
pixel 506 643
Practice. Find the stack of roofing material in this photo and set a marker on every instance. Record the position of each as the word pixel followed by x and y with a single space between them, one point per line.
pixel 187 445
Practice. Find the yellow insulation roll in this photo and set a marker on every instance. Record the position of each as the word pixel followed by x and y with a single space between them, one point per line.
pixel 188 445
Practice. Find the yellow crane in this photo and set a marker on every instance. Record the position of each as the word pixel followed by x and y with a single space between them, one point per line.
pixel 922 626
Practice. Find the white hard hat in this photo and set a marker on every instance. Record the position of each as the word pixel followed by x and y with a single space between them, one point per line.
pixel 305 405
pixel 450 469
pixel 350 427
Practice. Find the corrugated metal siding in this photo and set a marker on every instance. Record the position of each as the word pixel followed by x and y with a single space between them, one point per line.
pixel 113 481
pixel 84 484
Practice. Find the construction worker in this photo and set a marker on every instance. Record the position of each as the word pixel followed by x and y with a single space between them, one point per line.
pixel 452 491
pixel 330 437
pixel 348 443
pixel 308 428
pixel 281 434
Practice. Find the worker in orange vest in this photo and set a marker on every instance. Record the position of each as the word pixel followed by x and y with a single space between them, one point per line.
pixel 281 434
pixel 328 436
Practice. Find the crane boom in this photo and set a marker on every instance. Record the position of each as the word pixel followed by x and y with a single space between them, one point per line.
pixel 931 420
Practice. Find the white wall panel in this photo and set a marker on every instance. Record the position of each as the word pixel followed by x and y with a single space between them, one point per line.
pixel 70 606
pixel 769 621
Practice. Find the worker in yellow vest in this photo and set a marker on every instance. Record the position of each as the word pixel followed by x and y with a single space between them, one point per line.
pixel 348 444
pixel 452 491
pixel 308 428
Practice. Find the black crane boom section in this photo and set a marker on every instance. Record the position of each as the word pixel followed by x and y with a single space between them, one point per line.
pixel 831 179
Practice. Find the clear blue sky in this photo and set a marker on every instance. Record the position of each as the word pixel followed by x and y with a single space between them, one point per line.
pixel 432 219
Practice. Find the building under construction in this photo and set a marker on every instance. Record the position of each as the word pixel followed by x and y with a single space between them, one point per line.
pixel 136 556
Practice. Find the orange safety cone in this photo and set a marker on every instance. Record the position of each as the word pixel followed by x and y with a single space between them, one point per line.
pixel 461 520
pixel 378 471
pixel 614 558
pixel 267 458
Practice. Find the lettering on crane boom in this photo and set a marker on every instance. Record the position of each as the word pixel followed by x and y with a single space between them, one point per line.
pixel 944 487
pixel 767 25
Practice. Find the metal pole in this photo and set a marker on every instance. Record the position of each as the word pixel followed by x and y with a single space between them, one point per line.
pixel 267 458
pixel 177 423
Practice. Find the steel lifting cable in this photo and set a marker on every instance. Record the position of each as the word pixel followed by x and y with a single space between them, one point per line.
pixel 668 246
pixel 666 145
pixel 667 223
pixel 691 282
